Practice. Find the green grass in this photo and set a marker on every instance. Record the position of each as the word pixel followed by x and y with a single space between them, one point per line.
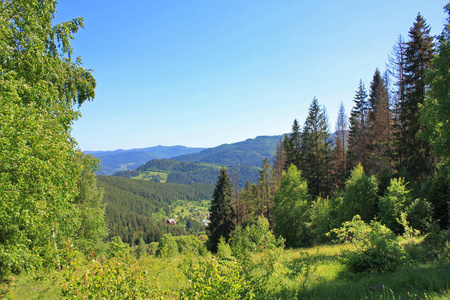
pixel 153 176
pixel 321 276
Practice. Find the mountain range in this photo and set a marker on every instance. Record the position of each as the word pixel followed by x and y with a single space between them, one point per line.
pixel 250 152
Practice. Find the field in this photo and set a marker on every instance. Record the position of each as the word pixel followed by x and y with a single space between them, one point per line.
pixel 311 273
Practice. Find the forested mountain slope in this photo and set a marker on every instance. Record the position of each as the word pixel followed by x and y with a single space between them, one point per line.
pixel 138 208
pixel 249 152
pixel 173 171
pixel 120 160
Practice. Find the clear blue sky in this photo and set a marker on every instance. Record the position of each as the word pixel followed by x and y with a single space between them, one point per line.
pixel 201 73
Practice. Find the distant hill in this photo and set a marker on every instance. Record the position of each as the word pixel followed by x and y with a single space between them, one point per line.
pixel 120 160
pixel 138 208
pixel 250 152
pixel 184 172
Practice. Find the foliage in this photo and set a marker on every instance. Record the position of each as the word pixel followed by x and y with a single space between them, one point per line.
pixel 376 246
pixel 291 209
pixel 211 278
pixel 39 164
pixel 222 212
pixel 360 197
pixel 167 247
pixel 393 204
pixel 118 248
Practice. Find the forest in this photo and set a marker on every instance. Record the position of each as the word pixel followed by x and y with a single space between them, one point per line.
pixel 364 217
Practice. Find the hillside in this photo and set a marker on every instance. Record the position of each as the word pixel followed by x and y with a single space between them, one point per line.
pixel 249 152
pixel 120 160
pixel 183 172
pixel 138 208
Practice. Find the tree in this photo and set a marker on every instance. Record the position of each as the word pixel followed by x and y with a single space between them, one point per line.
pixel 264 192
pixel 357 136
pixel 316 150
pixel 291 209
pixel 338 156
pixel 292 146
pixel 278 166
pixel 379 126
pixel 221 211
pixel 39 164
pixel 393 204
pixel 360 196
pixel 414 153
pixel 435 112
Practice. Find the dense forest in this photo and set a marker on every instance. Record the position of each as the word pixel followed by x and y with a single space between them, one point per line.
pixel 173 171
pixel 373 203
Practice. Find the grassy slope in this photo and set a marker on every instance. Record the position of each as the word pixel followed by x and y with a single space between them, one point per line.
pixel 327 279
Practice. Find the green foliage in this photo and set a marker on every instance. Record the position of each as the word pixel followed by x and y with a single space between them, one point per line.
pixel 222 212
pixel 118 248
pixel 321 219
pixel 393 204
pixel 211 278
pixel 291 209
pixel 360 196
pixel 376 246
pixel 167 247
pixel 254 239
pixel 189 244
pixel 419 214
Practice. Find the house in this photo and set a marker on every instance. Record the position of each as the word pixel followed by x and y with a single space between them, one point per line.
pixel 206 222
pixel 171 222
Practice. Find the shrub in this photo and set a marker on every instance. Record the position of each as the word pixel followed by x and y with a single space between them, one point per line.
pixel 117 247
pixel 167 247
pixel 376 246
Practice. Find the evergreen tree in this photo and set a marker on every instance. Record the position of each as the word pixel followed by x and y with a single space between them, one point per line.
pixel 278 166
pixel 264 191
pixel 436 109
pixel 338 156
pixel 316 150
pixel 414 154
pixel 221 211
pixel 292 146
pixel 379 127
pixel 357 136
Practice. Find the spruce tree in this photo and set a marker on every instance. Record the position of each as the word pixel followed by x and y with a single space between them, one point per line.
pixel 292 146
pixel 357 139
pixel 379 126
pixel 414 154
pixel 316 150
pixel 221 211
pixel 339 157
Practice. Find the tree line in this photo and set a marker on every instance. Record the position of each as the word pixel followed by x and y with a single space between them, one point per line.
pixel 390 158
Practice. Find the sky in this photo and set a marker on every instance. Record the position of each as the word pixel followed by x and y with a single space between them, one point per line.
pixel 202 73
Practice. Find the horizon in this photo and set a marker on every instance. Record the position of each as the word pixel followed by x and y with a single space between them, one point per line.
pixel 202 74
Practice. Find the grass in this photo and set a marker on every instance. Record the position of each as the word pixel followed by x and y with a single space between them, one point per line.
pixel 321 276
pixel 153 176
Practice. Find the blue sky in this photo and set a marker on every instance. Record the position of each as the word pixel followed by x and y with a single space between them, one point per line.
pixel 201 73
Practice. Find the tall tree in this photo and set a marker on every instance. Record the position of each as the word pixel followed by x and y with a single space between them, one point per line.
pixel 316 150
pixel 292 146
pixel 291 209
pixel 357 136
pixel 339 157
pixel 380 126
pixel 414 153
pixel 278 165
pixel 436 108
pixel 39 164
pixel 221 211
pixel 264 192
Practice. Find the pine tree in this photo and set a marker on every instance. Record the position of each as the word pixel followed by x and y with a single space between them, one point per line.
pixel 278 166
pixel 414 154
pixel 316 150
pixel 357 136
pixel 264 192
pixel 221 211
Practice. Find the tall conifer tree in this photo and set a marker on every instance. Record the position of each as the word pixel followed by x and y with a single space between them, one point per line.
pixel 414 154
pixel 357 136
pixel 339 157
pixel 316 150
pixel 222 213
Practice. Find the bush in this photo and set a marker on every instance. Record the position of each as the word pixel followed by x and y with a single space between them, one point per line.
pixel 117 247
pixel 167 247
pixel 376 246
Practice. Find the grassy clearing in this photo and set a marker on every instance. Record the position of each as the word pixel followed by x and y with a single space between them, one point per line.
pixel 319 275
pixel 153 176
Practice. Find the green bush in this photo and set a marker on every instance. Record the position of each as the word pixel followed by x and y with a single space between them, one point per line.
pixel 118 248
pixel 376 246
pixel 167 247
